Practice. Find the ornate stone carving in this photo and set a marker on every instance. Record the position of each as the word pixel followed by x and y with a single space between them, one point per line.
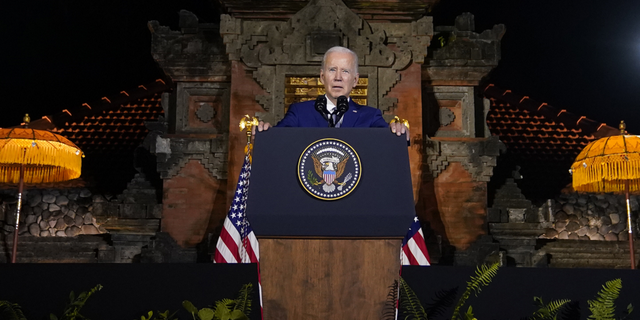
pixel 206 112
pixel 459 54
pixel 446 116
pixel 174 153
pixel 478 157
pixel 272 48
pixel 195 51
pixel 454 111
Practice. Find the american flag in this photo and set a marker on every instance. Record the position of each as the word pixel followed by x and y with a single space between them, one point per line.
pixel 414 250
pixel 237 242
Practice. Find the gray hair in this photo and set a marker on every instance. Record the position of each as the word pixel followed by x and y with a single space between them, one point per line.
pixel 343 50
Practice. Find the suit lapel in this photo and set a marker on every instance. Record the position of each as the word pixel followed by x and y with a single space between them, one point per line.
pixel 351 116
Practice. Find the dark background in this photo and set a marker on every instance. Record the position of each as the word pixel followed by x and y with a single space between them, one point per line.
pixel 582 56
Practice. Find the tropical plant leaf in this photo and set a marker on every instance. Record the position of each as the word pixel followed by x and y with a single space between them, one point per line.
pixel 205 314
pixel 243 302
pixel 444 300
pixel 410 304
pixel 628 311
pixel 484 275
pixel 223 309
pixel 547 311
pixel 72 310
pixel 238 315
pixel 189 307
pixel 603 307
pixel 11 311
pixel 469 314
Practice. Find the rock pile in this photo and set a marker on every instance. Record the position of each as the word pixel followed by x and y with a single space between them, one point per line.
pixel 52 213
pixel 591 217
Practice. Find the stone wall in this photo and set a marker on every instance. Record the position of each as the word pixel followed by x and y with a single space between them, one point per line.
pixel 52 213
pixel 591 217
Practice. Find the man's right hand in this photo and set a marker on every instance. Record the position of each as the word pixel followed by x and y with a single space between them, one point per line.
pixel 262 126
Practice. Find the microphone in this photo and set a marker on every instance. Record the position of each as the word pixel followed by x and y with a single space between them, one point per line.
pixel 321 106
pixel 341 108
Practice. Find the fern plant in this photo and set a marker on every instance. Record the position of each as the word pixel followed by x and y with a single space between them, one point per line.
pixel 410 304
pixel 483 277
pixel 547 311
pixel 11 311
pixel 603 307
pixel 225 309
pixel 72 310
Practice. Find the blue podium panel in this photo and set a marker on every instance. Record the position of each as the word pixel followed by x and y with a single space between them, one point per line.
pixel 380 205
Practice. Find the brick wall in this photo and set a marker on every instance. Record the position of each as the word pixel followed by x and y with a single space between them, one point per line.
pixel 189 200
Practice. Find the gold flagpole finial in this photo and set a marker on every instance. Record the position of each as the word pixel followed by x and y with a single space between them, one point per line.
pixel 622 127
pixel 247 123
pixel 403 121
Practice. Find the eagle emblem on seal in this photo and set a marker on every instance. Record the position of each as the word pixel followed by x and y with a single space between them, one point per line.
pixel 329 169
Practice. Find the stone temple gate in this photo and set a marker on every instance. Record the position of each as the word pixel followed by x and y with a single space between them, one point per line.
pixel 256 63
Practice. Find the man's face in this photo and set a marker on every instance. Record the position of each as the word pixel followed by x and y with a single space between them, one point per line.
pixel 339 75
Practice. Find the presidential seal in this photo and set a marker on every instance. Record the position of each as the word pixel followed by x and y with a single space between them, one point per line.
pixel 329 169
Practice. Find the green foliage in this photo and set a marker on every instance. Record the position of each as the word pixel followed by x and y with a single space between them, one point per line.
pixel 603 307
pixel 410 304
pixel 72 310
pixel 11 311
pixel 469 314
pixel 225 309
pixel 483 277
pixel 547 311
pixel 160 316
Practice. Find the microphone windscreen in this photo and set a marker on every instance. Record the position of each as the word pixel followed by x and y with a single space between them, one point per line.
pixel 343 104
pixel 321 103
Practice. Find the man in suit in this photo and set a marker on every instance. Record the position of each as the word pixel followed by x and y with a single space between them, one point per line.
pixel 339 75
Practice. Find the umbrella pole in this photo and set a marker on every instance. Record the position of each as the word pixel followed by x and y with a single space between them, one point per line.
pixel 15 232
pixel 631 250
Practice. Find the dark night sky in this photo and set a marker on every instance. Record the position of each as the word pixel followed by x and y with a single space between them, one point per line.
pixel 582 56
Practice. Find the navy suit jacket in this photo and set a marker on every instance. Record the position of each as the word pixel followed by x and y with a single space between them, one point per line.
pixel 304 114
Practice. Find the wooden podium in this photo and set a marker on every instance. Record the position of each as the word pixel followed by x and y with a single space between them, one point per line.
pixel 329 259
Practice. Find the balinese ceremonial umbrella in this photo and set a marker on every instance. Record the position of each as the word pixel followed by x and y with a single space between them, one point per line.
pixel 610 164
pixel 35 156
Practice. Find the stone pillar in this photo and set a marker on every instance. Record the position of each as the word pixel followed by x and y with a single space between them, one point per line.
pixel 460 155
pixel 192 143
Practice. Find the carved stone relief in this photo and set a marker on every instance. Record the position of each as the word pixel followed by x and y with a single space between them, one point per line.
pixel 202 107
pixel 455 109
pixel 276 49
pixel 478 157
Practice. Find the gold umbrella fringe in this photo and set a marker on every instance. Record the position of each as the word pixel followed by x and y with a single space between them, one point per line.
pixel 47 161
pixel 607 173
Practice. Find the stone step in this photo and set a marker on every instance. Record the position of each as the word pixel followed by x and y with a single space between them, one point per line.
pixel 590 263
pixel 586 246
pixel 588 254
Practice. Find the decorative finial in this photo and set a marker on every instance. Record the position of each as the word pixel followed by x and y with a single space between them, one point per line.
pixel 26 119
pixel 247 123
pixel 403 121
pixel 622 127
